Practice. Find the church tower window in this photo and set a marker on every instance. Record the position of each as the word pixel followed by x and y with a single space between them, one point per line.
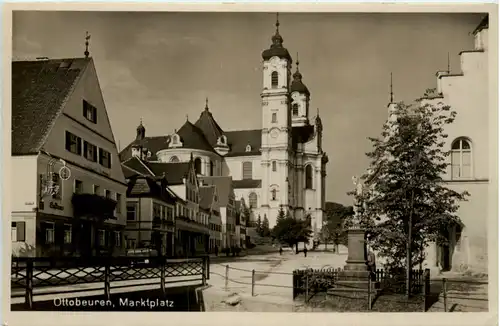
pixel 309 177
pixel 274 118
pixel 461 159
pixel 174 159
pixel 274 166
pixel 274 79
pixel 295 109
pixel 247 170
pixel 252 199
pixel 197 165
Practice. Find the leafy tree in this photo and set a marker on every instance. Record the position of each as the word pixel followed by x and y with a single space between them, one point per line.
pixel 265 232
pixel 404 185
pixel 292 231
pixel 333 230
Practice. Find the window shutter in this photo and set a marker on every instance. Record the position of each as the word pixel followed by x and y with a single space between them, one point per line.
pixel 100 155
pixel 68 141
pixel 79 145
pixel 94 114
pixel 21 231
pixel 94 153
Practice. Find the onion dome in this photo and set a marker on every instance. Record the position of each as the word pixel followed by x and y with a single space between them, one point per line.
pixel 276 49
pixel 297 85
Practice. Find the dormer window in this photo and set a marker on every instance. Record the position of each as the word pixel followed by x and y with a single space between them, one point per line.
pixel 248 148
pixel 175 139
pixel 222 140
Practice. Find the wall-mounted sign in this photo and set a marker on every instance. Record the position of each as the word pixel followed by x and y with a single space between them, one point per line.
pixel 55 205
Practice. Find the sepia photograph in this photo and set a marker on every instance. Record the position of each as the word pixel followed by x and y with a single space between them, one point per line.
pixel 273 161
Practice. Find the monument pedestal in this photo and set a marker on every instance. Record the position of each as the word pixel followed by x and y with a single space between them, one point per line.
pixel 353 282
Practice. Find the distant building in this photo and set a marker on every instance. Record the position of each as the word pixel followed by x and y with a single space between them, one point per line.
pixel 280 165
pixel 467 93
pixel 209 201
pixel 150 214
pixel 191 221
pixel 66 174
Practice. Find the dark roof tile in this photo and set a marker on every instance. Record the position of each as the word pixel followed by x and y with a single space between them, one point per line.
pixel 246 184
pixel 174 172
pixel 136 165
pixel 206 196
pixel 210 128
pixel 239 139
pixel 223 185
pixel 39 89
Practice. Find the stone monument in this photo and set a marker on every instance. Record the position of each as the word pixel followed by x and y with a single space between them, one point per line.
pixel 353 281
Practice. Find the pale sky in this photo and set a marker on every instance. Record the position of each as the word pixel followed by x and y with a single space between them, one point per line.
pixel 162 66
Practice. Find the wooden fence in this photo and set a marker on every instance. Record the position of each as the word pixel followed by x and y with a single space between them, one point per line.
pixel 28 274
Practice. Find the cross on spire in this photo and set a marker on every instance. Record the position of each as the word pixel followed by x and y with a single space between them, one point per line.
pixel 277 22
pixel 297 62
pixel 206 104
pixel 392 94
pixel 87 38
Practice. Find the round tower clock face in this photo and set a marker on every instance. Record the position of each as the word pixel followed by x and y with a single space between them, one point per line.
pixel 274 133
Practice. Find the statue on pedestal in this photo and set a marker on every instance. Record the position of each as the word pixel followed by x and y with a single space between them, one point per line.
pixel 357 205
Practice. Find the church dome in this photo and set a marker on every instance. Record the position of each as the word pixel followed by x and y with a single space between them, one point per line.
pixel 297 84
pixel 276 49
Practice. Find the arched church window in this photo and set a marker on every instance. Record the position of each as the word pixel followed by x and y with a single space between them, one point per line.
pixel 309 177
pixel 247 170
pixel 274 79
pixel 175 139
pixel 197 165
pixel 174 159
pixel 295 109
pixel 273 194
pixel 211 168
pixel 274 118
pixel 252 200
pixel 274 166
pixel 461 158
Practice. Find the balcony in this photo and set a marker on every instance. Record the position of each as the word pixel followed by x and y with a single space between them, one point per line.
pixel 93 206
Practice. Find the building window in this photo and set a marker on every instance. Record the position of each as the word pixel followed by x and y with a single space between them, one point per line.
pixel 49 232
pixel 107 193
pixel 57 182
pixel 274 118
pixel 211 168
pixel 274 79
pixel 247 170
pixel 67 233
pixel 18 231
pixel 461 159
pixel 118 203
pixel 295 109
pixel 174 159
pixel 78 188
pixel 309 177
pixel 118 239
pixel 73 143
pixel 197 165
pixel 89 112
pixel 131 211
pixel 90 151
pixel 175 139
pixel 102 237
pixel 252 200
pixel 274 166
pixel 104 158
pixel 273 194
pixel 97 189
pixel 248 148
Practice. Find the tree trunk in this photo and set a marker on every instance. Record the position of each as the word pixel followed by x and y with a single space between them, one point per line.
pixel 325 245
pixel 296 247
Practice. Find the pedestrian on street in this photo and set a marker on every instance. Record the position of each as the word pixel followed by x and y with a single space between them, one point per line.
pixel 216 248
pixel 281 250
pixel 305 251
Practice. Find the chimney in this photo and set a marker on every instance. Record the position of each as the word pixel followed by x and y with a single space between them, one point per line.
pixel 439 76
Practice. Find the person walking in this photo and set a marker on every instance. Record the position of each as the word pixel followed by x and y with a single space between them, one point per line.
pixel 305 251
pixel 281 250
pixel 216 249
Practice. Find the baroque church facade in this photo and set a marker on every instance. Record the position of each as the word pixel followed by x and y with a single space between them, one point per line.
pixel 281 165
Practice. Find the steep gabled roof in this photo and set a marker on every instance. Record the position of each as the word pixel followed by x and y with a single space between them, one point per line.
pixel 223 185
pixel 246 184
pixel 210 128
pixel 192 137
pixel 39 90
pixel 154 144
pixel 144 186
pixel 207 196
pixel 174 172
pixel 134 164
pixel 484 24
pixel 239 139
